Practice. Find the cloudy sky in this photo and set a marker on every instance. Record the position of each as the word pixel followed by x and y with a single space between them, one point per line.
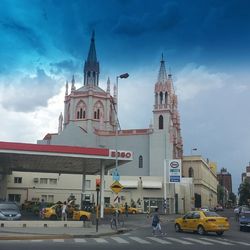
pixel 206 45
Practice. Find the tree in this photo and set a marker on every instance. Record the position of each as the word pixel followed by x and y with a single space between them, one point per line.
pixel 220 194
pixel 244 193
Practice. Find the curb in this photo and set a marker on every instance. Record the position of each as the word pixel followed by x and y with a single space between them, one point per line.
pixel 61 236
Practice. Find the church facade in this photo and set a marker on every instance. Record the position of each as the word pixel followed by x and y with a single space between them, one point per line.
pixel 89 120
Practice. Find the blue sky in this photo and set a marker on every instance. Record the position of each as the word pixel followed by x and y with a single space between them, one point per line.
pixel 206 45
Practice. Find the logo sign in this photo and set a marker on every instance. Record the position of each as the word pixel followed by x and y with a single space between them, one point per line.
pixel 116 187
pixel 175 171
pixel 125 155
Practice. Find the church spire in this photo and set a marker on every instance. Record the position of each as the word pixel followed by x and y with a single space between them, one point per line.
pixel 91 66
pixel 92 51
pixel 162 76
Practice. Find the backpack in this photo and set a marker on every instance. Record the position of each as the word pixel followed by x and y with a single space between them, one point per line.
pixel 156 220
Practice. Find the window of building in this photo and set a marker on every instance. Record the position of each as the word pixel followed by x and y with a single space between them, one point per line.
pixel 140 161
pixel 43 180
pixel 190 172
pixel 160 122
pixel 14 197
pixel 53 181
pixel 95 115
pixel 161 97
pixel 166 97
pixel 50 198
pixel 87 184
pixel 44 197
pixel 18 179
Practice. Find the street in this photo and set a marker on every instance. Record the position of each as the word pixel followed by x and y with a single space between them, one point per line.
pixel 141 237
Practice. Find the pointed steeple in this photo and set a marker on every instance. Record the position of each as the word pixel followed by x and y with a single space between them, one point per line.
pixel 73 83
pixel 92 51
pixel 91 66
pixel 67 88
pixel 108 85
pixel 162 76
pixel 60 122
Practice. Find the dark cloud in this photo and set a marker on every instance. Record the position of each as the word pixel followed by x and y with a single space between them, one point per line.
pixel 23 33
pixel 166 18
pixel 69 66
pixel 29 93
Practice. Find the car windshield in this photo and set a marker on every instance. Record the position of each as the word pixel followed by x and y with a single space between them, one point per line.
pixel 8 207
pixel 211 214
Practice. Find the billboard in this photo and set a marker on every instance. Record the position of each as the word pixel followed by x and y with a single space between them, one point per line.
pixel 174 167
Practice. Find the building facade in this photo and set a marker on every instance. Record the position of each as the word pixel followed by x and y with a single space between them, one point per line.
pixel 225 179
pixel 204 179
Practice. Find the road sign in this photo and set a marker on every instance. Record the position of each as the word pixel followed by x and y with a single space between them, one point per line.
pixel 116 187
pixel 115 175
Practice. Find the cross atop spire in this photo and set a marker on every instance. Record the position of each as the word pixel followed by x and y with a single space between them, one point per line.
pixel 162 76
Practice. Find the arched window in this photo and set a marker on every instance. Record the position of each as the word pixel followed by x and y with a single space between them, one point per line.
pixel 166 97
pixel 98 110
pixel 160 122
pixel 89 73
pixel 161 97
pixel 190 172
pixel 81 110
pixel 140 161
pixel 156 98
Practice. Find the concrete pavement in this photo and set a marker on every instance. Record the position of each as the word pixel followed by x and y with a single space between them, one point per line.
pixel 59 229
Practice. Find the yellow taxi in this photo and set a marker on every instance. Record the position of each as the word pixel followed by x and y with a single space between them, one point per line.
pixel 202 222
pixel 110 209
pixel 54 212
pixel 131 210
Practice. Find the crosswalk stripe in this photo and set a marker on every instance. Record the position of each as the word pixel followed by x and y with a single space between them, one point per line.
pixel 119 240
pixel 79 240
pixel 139 240
pixel 180 241
pixel 199 241
pixel 36 240
pixel 58 240
pixel 159 240
pixel 238 242
pixel 100 240
pixel 218 241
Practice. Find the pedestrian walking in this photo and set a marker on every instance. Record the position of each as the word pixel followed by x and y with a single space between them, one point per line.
pixel 64 211
pixel 156 223
pixel 126 209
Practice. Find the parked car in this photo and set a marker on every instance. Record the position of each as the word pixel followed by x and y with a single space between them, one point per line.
pixel 9 211
pixel 244 220
pixel 131 210
pixel 110 209
pixel 205 209
pixel 202 222
pixel 218 208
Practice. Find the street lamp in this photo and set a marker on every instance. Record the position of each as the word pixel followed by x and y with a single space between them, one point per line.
pixel 122 76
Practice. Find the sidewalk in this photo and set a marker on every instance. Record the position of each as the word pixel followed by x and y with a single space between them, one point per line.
pixel 131 223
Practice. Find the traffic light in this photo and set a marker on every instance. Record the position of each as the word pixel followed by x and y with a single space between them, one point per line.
pixel 97 184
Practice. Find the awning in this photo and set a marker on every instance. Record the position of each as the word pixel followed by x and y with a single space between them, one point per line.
pixel 152 184
pixel 129 183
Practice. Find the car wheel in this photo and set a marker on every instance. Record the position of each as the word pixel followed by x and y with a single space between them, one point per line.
pixel 83 218
pixel 53 217
pixel 177 228
pixel 201 230
pixel 219 233
pixel 241 228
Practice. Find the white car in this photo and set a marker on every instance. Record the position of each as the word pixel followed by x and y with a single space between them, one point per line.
pixel 205 209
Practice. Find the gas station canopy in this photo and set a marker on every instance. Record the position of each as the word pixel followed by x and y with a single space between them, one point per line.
pixel 57 158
